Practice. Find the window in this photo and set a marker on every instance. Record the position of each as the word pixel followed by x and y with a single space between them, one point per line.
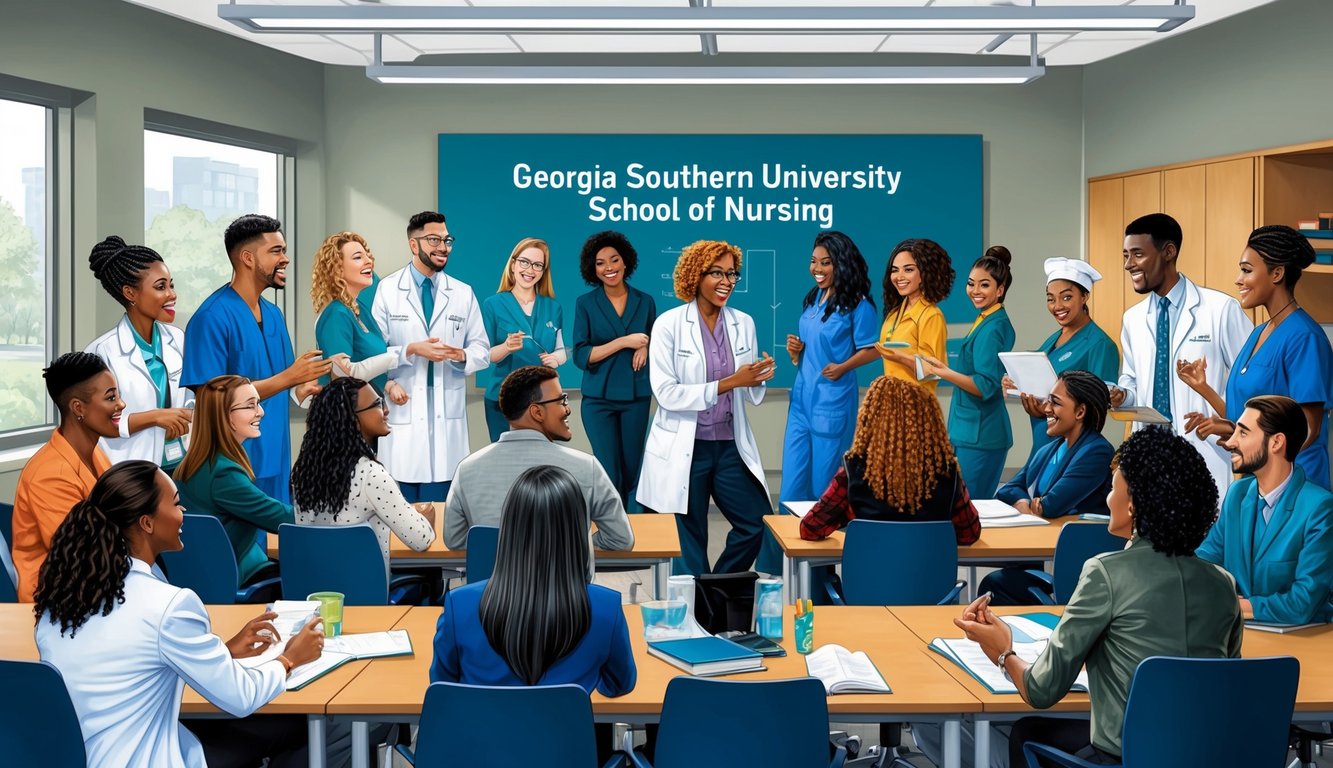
pixel 188 179
pixel 26 330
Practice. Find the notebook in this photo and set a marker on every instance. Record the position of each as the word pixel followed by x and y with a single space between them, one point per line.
pixel 1280 629
pixel 1032 632
pixel 707 656
pixel 844 671
pixel 997 514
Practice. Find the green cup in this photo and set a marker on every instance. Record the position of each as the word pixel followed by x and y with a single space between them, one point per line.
pixel 330 610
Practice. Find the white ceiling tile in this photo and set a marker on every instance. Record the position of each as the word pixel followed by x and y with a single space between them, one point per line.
pixel 460 43
pixel 798 43
pixel 609 43
pixel 570 3
pixel 328 52
pixel 935 43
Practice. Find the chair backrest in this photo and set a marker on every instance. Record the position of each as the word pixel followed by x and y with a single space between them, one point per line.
pixel 692 734
pixel 333 558
pixel 891 563
pixel 7 524
pixel 481 543
pixel 207 565
pixel 1077 543
pixel 8 589
pixel 38 726
pixel 1179 709
pixel 459 727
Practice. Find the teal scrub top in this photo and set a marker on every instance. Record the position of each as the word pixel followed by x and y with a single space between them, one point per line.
pixel 501 315
pixel 982 422
pixel 1091 350
pixel 339 331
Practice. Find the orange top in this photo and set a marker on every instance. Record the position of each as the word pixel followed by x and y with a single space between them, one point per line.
pixel 52 482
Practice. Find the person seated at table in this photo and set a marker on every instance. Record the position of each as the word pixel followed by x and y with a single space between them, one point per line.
pixel 62 472
pixel 1275 532
pixel 337 480
pixel 215 477
pixel 901 467
pixel 1154 598
pixel 546 625
pixel 126 641
pixel 538 412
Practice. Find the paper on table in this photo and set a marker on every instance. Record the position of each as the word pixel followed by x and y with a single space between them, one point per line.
pixel 970 657
pixel 1031 371
pixel 311 671
pixel 798 508
pixel 366 645
pixel 997 514
pixel 1141 414
pixel 292 616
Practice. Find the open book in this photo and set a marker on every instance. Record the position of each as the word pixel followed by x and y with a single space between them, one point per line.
pixel 842 671
pixel 293 615
pixel 1032 632
pixel 997 514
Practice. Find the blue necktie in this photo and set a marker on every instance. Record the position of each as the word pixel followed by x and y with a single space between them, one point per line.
pixel 428 309
pixel 1161 375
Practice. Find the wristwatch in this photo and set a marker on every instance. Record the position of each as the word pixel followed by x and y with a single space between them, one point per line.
pixel 1001 659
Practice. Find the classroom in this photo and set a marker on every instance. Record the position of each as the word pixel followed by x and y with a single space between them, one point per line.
pixel 1222 124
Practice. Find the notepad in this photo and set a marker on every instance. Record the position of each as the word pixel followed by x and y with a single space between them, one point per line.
pixel 798 508
pixel 1140 414
pixel 844 671
pixel 707 656
pixel 997 514
pixel 1031 634
pixel 1280 629
pixel 1031 371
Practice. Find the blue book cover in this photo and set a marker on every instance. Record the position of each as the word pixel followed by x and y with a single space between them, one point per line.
pixel 704 650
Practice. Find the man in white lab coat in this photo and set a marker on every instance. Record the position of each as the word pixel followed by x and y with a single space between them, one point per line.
pixel 1179 321
pixel 427 403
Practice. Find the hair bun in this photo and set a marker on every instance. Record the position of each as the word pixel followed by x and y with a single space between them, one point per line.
pixel 104 252
pixel 999 253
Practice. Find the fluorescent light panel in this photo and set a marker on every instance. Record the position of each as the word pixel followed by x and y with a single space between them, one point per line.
pixel 511 75
pixel 704 20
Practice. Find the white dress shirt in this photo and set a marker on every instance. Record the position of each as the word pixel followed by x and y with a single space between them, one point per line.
pixel 125 673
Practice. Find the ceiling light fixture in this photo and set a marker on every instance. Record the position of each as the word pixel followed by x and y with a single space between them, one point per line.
pixel 732 75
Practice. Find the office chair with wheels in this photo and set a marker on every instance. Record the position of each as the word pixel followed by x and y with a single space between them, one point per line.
pixel 340 558
pixel 207 565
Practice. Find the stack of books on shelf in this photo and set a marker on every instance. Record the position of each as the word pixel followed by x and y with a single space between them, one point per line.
pixel 1320 232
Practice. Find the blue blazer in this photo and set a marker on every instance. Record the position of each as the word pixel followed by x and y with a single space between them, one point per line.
pixel 596 323
pixel 1285 572
pixel 1081 481
pixel 983 422
pixel 603 660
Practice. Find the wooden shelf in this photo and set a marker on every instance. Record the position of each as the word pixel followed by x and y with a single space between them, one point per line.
pixel 1318 269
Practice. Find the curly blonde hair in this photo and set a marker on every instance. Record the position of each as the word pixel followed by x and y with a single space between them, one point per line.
pixel 543 286
pixel 326 279
pixel 901 437
pixel 695 260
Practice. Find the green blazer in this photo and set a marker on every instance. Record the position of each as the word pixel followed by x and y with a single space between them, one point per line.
pixel 596 323
pixel 1130 605
pixel 983 422
pixel 222 489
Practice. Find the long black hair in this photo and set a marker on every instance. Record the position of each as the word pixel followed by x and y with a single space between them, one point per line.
pixel 851 276
pixel 333 444
pixel 84 573
pixel 535 607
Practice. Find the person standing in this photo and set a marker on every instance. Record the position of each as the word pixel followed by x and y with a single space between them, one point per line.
pixel 145 352
pixel 704 365
pixel 237 331
pixel 429 413
pixel 836 335
pixel 1178 321
pixel 918 278
pixel 524 323
pixel 611 327
pixel 978 421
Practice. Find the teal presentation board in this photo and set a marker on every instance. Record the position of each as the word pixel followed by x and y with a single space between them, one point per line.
pixel 767 194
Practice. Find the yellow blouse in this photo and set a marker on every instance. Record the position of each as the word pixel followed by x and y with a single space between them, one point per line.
pixel 923 328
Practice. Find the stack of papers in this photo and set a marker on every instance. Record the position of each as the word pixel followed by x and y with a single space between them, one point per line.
pixel 1032 633
pixel 996 514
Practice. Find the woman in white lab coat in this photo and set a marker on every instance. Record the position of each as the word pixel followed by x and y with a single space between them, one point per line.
pixel 144 351
pixel 126 641
pixel 704 365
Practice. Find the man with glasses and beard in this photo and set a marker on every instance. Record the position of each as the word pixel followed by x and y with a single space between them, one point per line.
pixel 237 331
pixel 1275 531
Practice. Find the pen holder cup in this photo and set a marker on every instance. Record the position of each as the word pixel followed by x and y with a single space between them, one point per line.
pixel 803 629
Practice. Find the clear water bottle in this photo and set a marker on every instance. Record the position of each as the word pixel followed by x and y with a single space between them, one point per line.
pixel 768 608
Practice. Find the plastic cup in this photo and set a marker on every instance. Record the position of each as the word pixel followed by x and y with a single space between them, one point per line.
pixel 330 610
pixel 663 619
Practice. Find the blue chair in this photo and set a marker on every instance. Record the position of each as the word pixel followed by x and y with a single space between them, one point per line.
pixel 481 543
pixel 7 524
pixel 38 726
pixel 1078 543
pixel 692 735
pixel 207 565
pixel 8 589
pixel 466 725
pixel 1201 712
pixel 339 558
pixel 891 563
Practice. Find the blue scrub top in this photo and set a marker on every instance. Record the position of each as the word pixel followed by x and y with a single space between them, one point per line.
pixel 224 338
pixel 338 330
pixel 1295 361
pixel 1089 349
pixel 502 316
pixel 832 341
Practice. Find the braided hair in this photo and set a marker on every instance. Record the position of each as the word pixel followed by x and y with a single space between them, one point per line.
pixel 1090 392
pixel 330 450
pixel 118 266
pixel 1282 246
pixel 68 373
pixel 84 573
pixel 851 276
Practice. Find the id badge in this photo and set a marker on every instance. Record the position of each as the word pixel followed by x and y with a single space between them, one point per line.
pixel 173 452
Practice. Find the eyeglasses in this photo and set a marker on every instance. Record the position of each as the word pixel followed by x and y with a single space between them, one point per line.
pixel 376 403
pixel 535 266
pixel 245 407
pixel 731 277
pixel 435 241
pixel 562 399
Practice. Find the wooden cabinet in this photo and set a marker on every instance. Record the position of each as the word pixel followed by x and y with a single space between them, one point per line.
pixel 1229 200
pixel 1106 226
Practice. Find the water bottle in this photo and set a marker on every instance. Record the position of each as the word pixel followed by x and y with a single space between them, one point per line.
pixel 768 608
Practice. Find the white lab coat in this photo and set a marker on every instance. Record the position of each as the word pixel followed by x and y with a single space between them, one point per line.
pixel 125 672
pixel 1213 325
pixel 678 373
pixel 118 348
pixel 417 451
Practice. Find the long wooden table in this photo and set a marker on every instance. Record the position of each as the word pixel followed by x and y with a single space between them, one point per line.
pixel 393 689
pixel 656 542
pixel 997 546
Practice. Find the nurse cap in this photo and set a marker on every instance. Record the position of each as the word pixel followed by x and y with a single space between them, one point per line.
pixel 1075 271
